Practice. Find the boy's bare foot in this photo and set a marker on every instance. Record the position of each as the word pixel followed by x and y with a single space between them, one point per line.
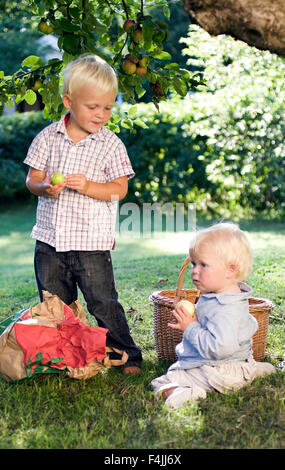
pixel 132 370
pixel 165 393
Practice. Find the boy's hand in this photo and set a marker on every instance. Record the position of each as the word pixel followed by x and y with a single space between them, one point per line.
pixel 52 189
pixel 78 182
pixel 183 319
pixel 40 184
pixel 114 190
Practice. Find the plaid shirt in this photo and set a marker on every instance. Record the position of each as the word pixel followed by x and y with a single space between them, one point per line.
pixel 73 221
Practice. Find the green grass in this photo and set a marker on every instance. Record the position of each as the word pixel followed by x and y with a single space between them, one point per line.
pixel 112 411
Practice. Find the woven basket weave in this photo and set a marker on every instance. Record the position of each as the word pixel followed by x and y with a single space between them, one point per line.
pixel 165 338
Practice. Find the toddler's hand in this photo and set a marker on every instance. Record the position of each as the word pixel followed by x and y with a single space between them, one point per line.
pixel 183 319
pixel 78 182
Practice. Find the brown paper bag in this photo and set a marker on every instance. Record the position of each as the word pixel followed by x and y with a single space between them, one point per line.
pixel 49 313
pixel 11 356
pixel 95 366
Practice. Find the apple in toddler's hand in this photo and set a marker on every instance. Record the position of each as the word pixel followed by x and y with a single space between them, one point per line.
pixel 187 305
pixel 56 178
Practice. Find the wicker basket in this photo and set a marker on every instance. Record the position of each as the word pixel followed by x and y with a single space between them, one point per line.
pixel 165 338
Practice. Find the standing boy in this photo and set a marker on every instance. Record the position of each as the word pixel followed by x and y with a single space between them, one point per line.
pixel 76 219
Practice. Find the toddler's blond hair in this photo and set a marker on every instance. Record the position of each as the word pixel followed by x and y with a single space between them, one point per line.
pixel 230 245
pixel 89 69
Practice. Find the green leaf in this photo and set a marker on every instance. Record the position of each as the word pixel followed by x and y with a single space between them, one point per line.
pixel 91 22
pixel 132 80
pixel 166 11
pixel 179 86
pixel 163 56
pixel 33 61
pixel 41 6
pixel 114 119
pixel 113 127
pixel 127 123
pixel 30 97
pixel 172 66
pixel 67 26
pixel 71 43
pixel 140 91
pixel 151 76
pixel 133 110
pixel 75 12
pixel 148 30
pixel 140 123
pixel 20 95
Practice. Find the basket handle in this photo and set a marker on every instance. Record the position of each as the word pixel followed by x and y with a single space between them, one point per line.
pixel 182 273
pixel 181 279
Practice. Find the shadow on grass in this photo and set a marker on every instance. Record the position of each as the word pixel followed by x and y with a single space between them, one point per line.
pixel 113 411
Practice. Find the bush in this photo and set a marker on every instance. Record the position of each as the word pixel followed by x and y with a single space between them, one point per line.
pixel 16 134
pixel 242 113
pixel 224 155
pixel 12 178
pixel 166 156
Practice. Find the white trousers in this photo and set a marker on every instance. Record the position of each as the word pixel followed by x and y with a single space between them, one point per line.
pixel 192 384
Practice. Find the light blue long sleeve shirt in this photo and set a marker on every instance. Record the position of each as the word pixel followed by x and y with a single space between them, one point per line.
pixel 223 332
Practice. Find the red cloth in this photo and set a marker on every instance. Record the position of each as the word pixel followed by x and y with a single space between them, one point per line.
pixel 75 342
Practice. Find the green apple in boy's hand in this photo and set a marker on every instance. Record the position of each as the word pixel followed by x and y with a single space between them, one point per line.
pixel 187 305
pixel 56 178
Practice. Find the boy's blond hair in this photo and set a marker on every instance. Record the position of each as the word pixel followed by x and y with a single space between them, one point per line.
pixel 230 245
pixel 89 69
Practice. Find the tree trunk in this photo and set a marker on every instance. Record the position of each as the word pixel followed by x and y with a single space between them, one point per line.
pixel 259 23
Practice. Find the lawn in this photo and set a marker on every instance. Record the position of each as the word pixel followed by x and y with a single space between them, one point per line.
pixel 112 411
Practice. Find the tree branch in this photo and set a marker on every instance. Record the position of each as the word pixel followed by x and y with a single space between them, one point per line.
pixel 83 10
pixel 259 23
pixel 30 72
pixel 119 53
pixel 112 9
pixel 125 8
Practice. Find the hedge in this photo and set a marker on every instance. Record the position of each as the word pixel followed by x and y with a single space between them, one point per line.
pixel 16 134
pixel 227 159
pixel 226 156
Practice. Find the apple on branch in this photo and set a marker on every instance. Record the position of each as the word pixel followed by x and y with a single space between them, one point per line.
pixel 37 85
pixel 44 27
pixel 128 67
pixel 128 25
pixel 141 70
pixel 138 36
pixel 143 61
pixel 132 58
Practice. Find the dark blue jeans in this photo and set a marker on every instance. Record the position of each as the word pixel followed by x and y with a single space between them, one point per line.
pixel 60 273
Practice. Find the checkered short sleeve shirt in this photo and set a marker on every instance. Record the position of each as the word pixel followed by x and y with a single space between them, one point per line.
pixel 73 221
